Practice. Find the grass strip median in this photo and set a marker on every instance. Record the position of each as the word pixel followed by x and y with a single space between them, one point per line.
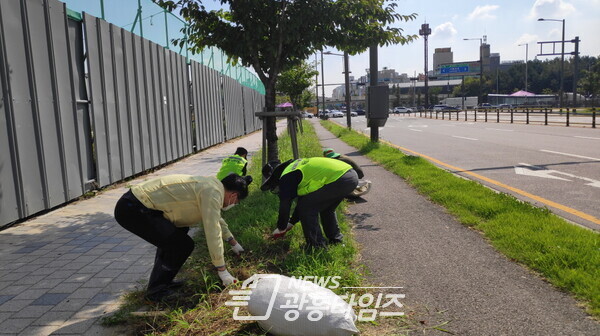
pixel 203 312
pixel 568 256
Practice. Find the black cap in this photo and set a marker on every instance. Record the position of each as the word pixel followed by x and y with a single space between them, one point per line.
pixel 272 172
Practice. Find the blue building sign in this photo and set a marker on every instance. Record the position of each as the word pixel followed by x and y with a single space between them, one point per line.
pixel 454 68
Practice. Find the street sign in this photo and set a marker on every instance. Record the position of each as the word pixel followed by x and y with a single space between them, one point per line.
pixel 454 68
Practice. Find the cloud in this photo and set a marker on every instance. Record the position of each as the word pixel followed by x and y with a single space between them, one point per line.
pixel 527 38
pixel 551 9
pixel 445 31
pixel 483 12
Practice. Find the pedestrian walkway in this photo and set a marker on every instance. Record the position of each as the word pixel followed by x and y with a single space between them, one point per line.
pixel 449 273
pixel 64 270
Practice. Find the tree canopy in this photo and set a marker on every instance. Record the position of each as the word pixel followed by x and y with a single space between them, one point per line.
pixel 272 36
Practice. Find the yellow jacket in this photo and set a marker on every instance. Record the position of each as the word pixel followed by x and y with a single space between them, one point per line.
pixel 188 200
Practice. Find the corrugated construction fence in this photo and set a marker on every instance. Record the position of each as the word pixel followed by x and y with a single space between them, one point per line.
pixel 85 103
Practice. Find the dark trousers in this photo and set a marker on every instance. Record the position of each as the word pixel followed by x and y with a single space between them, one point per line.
pixel 323 202
pixel 173 244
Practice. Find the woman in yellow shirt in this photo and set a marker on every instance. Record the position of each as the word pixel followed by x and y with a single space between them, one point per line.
pixel 162 210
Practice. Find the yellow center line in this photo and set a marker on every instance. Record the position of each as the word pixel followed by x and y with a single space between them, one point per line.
pixel 542 200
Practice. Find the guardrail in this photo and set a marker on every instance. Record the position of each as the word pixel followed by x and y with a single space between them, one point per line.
pixel 530 115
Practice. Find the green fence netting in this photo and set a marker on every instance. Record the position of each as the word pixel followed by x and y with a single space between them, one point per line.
pixel 147 19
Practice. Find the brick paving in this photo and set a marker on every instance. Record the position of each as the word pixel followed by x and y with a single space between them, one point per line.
pixel 64 270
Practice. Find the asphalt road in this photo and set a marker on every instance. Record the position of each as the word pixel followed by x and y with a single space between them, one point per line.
pixel 450 275
pixel 559 164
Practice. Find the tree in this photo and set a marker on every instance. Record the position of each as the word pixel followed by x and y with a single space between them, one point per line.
pixel 295 80
pixel 306 98
pixel 590 82
pixel 271 36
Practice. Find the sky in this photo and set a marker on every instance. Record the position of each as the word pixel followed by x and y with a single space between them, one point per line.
pixel 505 23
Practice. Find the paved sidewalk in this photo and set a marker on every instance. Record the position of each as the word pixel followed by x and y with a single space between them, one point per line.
pixel 449 272
pixel 64 270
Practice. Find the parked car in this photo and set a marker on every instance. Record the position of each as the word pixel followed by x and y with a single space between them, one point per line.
pixel 353 114
pixel 440 107
pixel 336 114
pixel 360 112
pixel 451 108
pixel 402 109
pixel 485 106
pixel 505 106
pixel 306 115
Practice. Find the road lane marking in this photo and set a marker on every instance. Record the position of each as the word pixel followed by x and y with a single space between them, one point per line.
pixel 460 137
pixel 542 200
pixel 532 170
pixel 573 155
pixel 499 129
pixel 416 130
pixel 584 137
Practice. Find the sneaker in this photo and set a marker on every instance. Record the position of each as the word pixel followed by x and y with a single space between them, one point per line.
pixel 163 295
pixel 176 284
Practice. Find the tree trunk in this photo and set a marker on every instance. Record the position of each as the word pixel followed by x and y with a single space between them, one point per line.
pixel 272 149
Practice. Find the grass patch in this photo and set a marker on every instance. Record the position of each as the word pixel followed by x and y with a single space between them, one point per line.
pixel 203 312
pixel 567 255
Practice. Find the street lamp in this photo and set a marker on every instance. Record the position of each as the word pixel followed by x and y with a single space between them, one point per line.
pixel 479 99
pixel 346 85
pixel 526 60
pixel 562 57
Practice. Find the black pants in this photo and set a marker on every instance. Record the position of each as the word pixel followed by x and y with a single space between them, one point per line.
pixel 173 244
pixel 323 202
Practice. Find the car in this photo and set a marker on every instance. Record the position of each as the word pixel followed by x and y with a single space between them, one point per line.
pixel 306 115
pixel 451 108
pixel 336 114
pixel 505 106
pixel 402 109
pixel 440 107
pixel 360 112
pixel 485 106
pixel 353 114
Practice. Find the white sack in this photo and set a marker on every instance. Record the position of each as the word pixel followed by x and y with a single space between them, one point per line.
pixel 274 292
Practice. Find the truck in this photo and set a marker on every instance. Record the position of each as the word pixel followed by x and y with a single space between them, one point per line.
pixel 470 102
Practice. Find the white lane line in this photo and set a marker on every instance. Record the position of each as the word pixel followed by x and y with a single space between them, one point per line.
pixel 456 136
pixel 573 155
pixel 499 129
pixel 584 137
pixel 416 130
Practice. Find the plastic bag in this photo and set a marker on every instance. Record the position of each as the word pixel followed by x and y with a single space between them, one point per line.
pixel 286 306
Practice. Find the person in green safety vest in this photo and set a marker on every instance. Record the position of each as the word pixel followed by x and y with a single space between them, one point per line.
pixel 234 164
pixel 320 184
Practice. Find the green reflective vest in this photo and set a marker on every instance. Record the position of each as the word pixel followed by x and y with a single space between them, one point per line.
pixel 317 172
pixel 232 164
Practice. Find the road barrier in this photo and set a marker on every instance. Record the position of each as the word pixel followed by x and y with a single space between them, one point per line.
pixel 528 115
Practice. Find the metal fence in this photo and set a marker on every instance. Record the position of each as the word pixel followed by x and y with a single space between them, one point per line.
pixel 85 104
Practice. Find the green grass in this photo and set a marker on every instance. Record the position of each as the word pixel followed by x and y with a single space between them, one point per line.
pixel 251 222
pixel 565 254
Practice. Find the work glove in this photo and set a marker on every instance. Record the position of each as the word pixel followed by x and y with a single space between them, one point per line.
pixel 280 234
pixel 237 249
pixel 226 278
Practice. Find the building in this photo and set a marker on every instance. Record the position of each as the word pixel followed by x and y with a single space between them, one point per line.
pixel 442 56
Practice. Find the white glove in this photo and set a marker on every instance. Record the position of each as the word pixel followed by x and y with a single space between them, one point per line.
pixel 226 278
pixel 280 234
pixel 237 249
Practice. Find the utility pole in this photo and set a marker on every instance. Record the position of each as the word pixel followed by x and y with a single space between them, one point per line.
pixel 373 82
pixel 322 81
pixel 347 85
